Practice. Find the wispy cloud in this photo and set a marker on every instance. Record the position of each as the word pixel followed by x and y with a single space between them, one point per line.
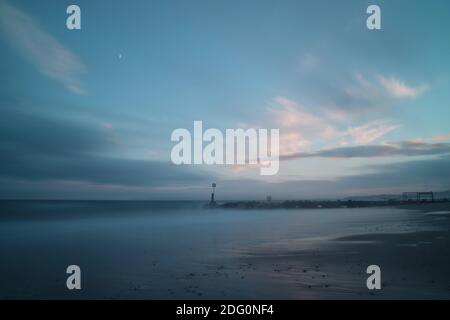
pixel 302 130
pixel 40 48
pixel 367 133
pixel 375 93
pixel 405 148
pixel 309 61
pixel 399 89
pixel 290 114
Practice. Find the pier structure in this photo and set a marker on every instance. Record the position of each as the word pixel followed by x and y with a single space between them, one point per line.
pixel 418 196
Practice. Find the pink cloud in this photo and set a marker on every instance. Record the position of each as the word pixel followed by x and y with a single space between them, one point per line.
pixel 369 132
pixel 445 136
pixel 290 115
pixel 301 130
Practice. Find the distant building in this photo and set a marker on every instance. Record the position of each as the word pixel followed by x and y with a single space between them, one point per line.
pixel 418 196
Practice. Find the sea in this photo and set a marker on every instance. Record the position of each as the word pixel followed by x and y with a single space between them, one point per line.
pixel 173 249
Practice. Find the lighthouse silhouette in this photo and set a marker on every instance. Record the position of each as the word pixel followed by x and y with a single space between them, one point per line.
pixel 213 202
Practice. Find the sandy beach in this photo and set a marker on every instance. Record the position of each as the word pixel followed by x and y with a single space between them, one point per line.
pixel 415 262
pixel 146 250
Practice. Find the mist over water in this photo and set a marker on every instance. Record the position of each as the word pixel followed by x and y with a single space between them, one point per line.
pixel 164 249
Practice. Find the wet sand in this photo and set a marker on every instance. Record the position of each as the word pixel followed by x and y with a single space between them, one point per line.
pixel 415 264
pixel 181 251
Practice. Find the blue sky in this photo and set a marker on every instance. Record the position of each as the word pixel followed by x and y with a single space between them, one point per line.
pixel 89 113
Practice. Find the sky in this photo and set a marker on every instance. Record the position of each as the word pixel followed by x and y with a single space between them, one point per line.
pixel 88 114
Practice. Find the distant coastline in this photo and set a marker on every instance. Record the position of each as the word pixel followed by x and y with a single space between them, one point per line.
pixel 324 204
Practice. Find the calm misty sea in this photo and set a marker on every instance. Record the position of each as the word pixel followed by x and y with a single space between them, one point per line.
pixel 147 249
